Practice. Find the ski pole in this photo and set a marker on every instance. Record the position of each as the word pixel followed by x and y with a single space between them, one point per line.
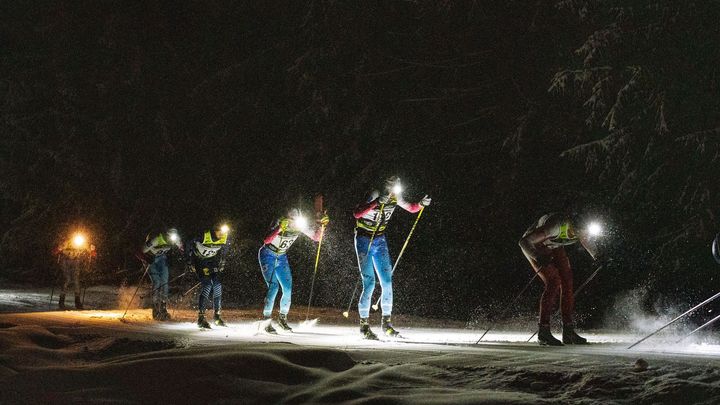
pixel 575 294
pixel 191 288
pixel 407 240
pixel 147 267
pixel 701 327
pixel 346 314
pixel 317 260
pixel 507 308
pixel 676 319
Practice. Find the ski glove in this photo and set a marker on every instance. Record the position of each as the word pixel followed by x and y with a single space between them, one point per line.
pixel 425 201
pixel 284 224
pixel 221 266
pixel 324 220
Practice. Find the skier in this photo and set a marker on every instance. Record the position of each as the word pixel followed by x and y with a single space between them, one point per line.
pixel 543 244
pixel 370 226
pixel 74 256
pixel 274 262
pixel 157 249
pixel 206 257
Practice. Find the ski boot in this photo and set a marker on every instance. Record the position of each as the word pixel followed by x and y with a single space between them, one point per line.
pixel 78 303
pixel 569 337
pixel 269 328
pixel 282 321
pixel 365 330
pixel 156 311
pixel 61 302
pixel 202 323
pixel 387 327
pixel 164 314
pixel 218 320
pixel 546 338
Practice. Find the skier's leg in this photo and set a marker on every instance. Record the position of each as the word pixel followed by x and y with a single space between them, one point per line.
pixel 75 270
pixel 205 289
pixel 216 292
pixel 155 278
pixel 568 301
pixel 164 278
pixel 548 304
pixel 268 260
pixel 365 263
pixel 549 300
pixel 284 277
pixel 383 266
pixel 567 306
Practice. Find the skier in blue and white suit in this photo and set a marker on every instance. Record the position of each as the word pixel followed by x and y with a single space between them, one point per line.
pixel 370 224
pixel 274 263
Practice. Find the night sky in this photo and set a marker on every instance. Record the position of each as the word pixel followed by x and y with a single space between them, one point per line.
pixel 125 117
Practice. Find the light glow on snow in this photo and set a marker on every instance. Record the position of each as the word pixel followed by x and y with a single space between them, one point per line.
pixel 307 325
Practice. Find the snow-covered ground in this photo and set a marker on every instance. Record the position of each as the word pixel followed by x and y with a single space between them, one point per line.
pixel 61 356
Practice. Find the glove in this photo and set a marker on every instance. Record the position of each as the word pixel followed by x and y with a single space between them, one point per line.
pixel 191 268
pixel 324 220
pixel 384 199
pixel 284 224
pixel 221 266
pixel 544 260
pixel 425 201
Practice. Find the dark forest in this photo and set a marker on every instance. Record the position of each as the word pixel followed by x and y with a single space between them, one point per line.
pixel 124 117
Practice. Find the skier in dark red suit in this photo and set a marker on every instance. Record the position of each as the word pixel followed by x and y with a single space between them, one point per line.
pixel 544 246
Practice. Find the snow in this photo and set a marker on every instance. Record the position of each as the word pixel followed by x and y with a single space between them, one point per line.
pixel 62 356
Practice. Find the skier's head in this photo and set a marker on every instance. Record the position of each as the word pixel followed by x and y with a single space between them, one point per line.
pixel 567 229
pixel 221 230
pixel 392 185
pixel 173 236
pixel 293 213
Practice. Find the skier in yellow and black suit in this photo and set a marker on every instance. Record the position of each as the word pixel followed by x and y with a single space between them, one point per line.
pixel 206 255
pixel 157 249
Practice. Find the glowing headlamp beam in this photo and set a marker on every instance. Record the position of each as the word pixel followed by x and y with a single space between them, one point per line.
pixel 79 240
pixel 397 189
pixel 594 229
pixel 224 228
pixel 300 222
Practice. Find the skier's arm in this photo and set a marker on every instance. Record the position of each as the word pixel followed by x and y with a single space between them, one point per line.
pixel 409 207
pixel 414 207
pixel 317 234
pixel 585 242
pixel 531 244
pixel 362 209
pixel 275 230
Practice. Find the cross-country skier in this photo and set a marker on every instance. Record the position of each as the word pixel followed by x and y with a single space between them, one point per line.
pixel 157 249
pixel 371 224
pixel 206 257
pixel 74 256
pixel 543 244
pixel 274 262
